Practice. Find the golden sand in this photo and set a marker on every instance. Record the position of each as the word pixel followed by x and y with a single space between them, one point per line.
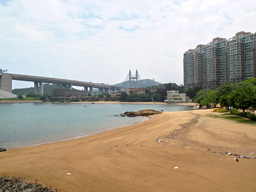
pixel 191 156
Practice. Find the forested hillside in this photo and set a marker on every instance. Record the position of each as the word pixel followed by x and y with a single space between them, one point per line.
pixel 47 89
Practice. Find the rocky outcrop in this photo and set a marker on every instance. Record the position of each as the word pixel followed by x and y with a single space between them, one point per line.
pixel 15 184
pixel 144 112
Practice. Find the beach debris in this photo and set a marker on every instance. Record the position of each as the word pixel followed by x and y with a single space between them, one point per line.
pixel 159 140
pixel 236 159
pixel 68 173
pixel 3 149
pixel 239 156
pixel 188 147
pixel 176 167
pixel 114 149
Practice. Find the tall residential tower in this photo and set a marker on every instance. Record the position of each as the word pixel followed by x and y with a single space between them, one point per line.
pixel 221 60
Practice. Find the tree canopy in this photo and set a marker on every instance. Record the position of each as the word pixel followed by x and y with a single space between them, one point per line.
pixel 240 95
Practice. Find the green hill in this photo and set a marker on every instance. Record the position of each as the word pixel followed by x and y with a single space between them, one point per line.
pixel 141 83
pixel 47 89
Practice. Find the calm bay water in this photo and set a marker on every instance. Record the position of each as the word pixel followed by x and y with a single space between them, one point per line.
pixel 28 124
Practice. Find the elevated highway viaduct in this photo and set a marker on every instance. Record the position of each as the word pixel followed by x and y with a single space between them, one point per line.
pixel 6 83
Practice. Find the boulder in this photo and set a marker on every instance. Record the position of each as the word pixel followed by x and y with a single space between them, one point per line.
pixel 2 149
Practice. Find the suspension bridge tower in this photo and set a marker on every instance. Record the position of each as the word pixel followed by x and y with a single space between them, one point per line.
pixel 132 77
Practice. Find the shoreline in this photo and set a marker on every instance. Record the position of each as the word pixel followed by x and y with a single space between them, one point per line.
pixel 153 103
pixel 132 159
pixel 101 102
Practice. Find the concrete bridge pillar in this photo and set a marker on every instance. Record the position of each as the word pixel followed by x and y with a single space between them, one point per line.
pixel 107 90
pixel 36 90
pixel 100 90
pixel 70 87
pixel 6 82
pixel 64 86
pixel 41 88
pixel 86 89
pixel 91 90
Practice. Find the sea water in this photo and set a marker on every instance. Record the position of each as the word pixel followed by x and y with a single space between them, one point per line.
pixel 28 124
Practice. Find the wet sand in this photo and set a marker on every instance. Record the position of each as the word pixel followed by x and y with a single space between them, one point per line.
pixel 191 156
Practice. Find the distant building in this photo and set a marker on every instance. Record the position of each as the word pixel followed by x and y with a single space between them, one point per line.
pixel 221 60
pixel 71 94
pixel 174 96
pixel 140 91
pixel 115 94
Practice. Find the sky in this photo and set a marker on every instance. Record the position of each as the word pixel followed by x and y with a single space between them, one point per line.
pixel 101 40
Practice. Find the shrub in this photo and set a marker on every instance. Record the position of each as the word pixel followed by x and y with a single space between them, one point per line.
pixel 30 95
pixel 251 116
pixel 20 97
pixel 42 98
pixel 234 111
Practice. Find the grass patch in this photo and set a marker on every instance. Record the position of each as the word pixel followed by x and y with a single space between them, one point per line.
pixel 225 112
pixel 17 99
pixel 235 118
pixel 7 99
pixel 30 98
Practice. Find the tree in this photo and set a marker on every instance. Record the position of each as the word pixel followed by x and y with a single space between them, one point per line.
pixel 228 100
pixel 224 89
pixel 191 92
pixel 43 98
pixel 245 96
pixel 156 97
pixel 201 95
pixel 144 97
pixel 208 99
pixel 132 98
pixel 105 95
pixel 20 96
pixel 123 96
pixel 251 80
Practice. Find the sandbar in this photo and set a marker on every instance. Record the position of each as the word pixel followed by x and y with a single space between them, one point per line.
pixel 173 151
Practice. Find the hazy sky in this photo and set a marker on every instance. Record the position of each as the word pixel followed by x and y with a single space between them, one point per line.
pixel 100 41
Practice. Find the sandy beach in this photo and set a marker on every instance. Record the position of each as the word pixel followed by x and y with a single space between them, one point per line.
pixel 173 151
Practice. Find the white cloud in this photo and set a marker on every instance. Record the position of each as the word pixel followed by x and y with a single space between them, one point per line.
pixel 101 40
pixel 31 32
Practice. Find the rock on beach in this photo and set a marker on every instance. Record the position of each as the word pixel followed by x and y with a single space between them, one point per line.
pixel 144 112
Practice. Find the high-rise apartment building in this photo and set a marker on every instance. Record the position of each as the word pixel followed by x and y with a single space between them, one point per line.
pixel 220 61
